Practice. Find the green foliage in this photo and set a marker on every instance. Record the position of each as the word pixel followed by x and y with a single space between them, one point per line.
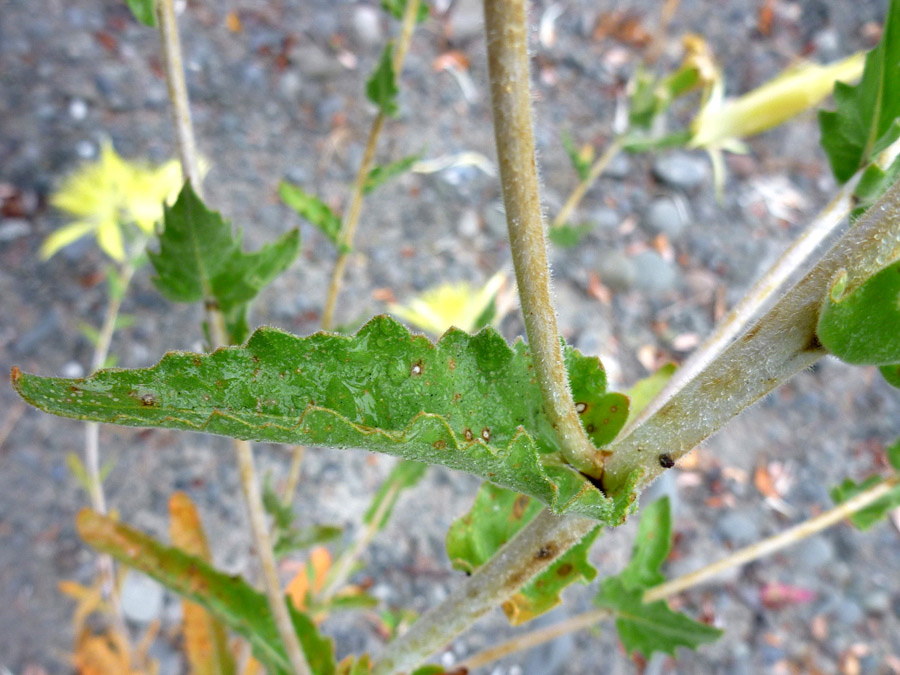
pixel 581 159
pixel 891 374
pixel 874 512
pixel 404 475
pixel 288 538
pixel 865 119
pixel 646 389
pixel 893 455
pixel 495 517
pixel 470 403
pixel 380 175
pixel 229 599
pixel 144 11
pixel 569 236
pixel 382 85
pixel 200 258
pixel 649 627
pixel 863 326
pixel 873 183
pixel 80 473
pixel 311 208
pixel 396 8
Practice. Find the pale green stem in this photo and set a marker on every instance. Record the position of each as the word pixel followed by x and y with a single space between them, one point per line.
pixel 293 479
pixel 666 590
pixel 597 168
pixel 507 46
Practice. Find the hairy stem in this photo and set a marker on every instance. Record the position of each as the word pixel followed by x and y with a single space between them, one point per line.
pixel 530 552
pixel 778 345
pixel 351 219
pixel 187 152
pixel 597 168
pixel 669 588
pixel 507 47
pixel 293 479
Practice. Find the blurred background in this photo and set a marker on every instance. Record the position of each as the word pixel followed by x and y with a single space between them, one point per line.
pixel 277 93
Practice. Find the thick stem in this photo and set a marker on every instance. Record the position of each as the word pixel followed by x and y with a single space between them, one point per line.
pixel 530 552
pixel 351 219
pixel 597 168
pixel 780 344
pixel 668 589
pixel 507 47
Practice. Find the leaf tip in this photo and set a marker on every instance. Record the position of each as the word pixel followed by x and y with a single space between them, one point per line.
pixel 14 376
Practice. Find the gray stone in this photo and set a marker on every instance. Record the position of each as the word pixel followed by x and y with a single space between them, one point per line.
pixel 847 612
pixel 367 26
pixel 466 20
pixel 681 171
pixel 654 273
pixel 141 598
pixel 290 85
pixel 605 218
pixel 877 602
pixel 619 167
pixel 14 228
pixel 495 219
pixel 32 338
pixel 315 63
pixel 667 215
pixel 617 271
pixel 738 528
pixel 814 553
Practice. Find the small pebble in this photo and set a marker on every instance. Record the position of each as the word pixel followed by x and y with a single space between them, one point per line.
pixel 681 171
pixel 814 553
pixel 738 528
pixel 14 228
pixel 605 218
pixel 78 109
pixel 617 271
pixel 367 26
pixel 877 602
pixel 667 215
pixel 141 598
pixel 654 273
pixel 72 369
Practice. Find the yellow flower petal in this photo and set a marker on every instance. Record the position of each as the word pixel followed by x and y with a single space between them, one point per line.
pixel 63 237
pixel 109 237
pixel 455 304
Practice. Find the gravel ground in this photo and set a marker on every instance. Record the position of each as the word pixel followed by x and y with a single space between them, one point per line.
pixel 282 98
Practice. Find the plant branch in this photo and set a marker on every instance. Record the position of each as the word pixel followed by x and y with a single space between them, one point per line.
pixel 293 479
pixel 669 588
pixel 174 68
pixel 507 47
pixel 357 191
pixel 778 345
pixel 530 552
pixel 597 168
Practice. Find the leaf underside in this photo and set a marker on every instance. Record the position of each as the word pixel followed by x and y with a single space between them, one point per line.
pixel 470 403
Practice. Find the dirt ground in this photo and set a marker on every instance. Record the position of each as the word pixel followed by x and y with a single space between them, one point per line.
pixel 282 98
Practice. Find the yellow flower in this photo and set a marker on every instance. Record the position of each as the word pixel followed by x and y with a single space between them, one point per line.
pixel 106 195
pixel 456 304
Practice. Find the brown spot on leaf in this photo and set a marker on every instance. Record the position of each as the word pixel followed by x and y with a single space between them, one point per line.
pixel 451 364
pixel 564 570
pixel 148 400
pixel 486 435
pixel 546 551
pixel 581 407
pixel 666 461
pixel 15 374
pixel 520 505
pixel 439 444
pixel 468 434
pixel 417 368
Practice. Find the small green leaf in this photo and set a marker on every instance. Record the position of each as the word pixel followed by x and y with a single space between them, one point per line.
pixel 287 537
pixel 863 326
pixel 893 455
pixel 891 373
pixel 404 475
pixel 200 259
pixel 646 389
pixel 79 472
pixel 865 119
pixel 470 403
pixel 873 183
pixel 382 86
pixel 651 547
pixel 312 209
pixel 581 159
pixel 649 627
pixel 874 512
pixel 353 665
pixel 380 175
pixel 495 517
pixel 396 8
pixel 230 599
pixel 430 670
pixel 144 11
pixel 569 236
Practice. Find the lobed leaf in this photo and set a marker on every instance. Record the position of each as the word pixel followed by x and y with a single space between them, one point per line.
pixel 865 119
pixel 230 599
pixel 200 258
pixel 404 475
pixel 495 517
pixel 651 547
pixel 874 512
pixel 313 209
pixel 863 326
pixel 381 88
pixel 144 11
pixel 470 403
pixel 380 175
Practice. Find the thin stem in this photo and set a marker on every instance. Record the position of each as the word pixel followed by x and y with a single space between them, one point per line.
pixel 351 219
pixel 507 46
pixel 293 480
pixel 597 168
pixel 668 589
pixel 172 60
pixel 530 552
pixel 343 566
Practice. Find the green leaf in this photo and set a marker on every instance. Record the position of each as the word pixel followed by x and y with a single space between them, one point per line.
pixel 470 403
pixel 230 599
pixel 353 665
pixel 200 259
pixel 874 512
pixel 495 517
pixel 144 11
pixel 312 209
pixel 873 183
pixel 404 475
pixel 863 326
pixel 637 142
pixel 891 374
pixel 581 160
pixel 569 236
pixel 893 455
pixel 651 547
pixel 864 121
pixel 396 8
pixel 287 537
pixel 646 389
pixel 649 627
pixel 382 86
pixel 430 670
pixel 380 175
